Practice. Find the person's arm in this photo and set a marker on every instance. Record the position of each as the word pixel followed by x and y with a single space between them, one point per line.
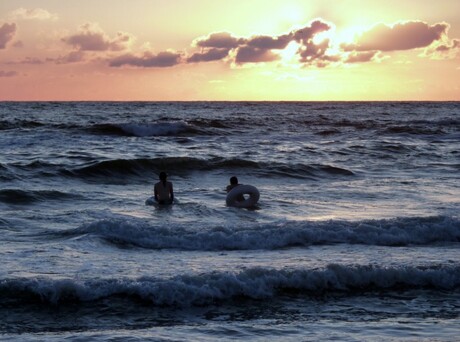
pixel 171 192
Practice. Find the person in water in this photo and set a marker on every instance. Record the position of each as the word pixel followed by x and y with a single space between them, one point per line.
pixel 163 190
pixel 233 184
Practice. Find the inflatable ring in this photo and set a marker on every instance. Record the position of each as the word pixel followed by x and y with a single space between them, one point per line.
pixel 251 201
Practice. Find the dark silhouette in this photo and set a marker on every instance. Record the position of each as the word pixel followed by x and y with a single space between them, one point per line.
pixel 233 184
pixel 163 190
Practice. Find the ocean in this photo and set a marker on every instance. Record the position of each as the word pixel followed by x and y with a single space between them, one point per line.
pixel 356 235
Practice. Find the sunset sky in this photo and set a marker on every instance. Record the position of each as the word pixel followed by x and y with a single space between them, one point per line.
pixel 229 50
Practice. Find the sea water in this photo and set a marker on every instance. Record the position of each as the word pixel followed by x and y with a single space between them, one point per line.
pixel 356 235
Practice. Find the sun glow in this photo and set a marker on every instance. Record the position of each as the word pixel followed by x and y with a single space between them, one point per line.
pixel 289 54
pixel 57 52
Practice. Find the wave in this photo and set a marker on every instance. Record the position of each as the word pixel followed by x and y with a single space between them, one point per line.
pixel 141 166
pixel 413 129
pixel 18 196
pixel 6 174
pixel 394 232
pixel 15 124
pixel 214 287
pixel 144 129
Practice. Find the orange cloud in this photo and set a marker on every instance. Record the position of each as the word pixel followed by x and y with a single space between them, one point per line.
pixel 401 36
pixel 147 60
pixel 262 48
pixel 361 57
pixel 36 13
pixel 91 38
pixel 213 54
pixel 71 57
pixel 259 48
pixel 221 40
pixel 444 50
pixel 28 60
pixel 8 73
pixel 249 54
pixel 7 32
pixel 267 42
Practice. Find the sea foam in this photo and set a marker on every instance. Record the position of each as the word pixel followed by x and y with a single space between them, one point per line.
pixel 253 283
pixel 392 232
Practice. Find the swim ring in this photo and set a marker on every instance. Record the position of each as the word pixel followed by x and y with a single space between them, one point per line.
pixel 251 201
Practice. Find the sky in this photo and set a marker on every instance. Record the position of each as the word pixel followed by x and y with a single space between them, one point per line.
pixel 255 50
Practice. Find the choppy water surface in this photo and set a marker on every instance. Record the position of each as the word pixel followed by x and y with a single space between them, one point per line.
pixel 356 235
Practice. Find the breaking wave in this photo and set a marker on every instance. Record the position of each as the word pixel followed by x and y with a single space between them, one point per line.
pixel 254 283
pixel 186 164
pixel 18 196
pixel 391 232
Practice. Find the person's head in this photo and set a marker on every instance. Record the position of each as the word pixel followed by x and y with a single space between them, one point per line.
pixel 233 180
pixel 163 176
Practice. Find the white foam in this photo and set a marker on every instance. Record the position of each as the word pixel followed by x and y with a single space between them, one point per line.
pixel 396 232
pixel 255 283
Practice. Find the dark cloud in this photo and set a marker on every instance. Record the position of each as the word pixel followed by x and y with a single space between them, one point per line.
pixel 310 52
pixel 449 47
pixel 267 42
pixel 306 34
pixel 249 54
pixel 28 60
pixel 147 60
pixel 259 48
pixel 221 40
pixel 72 57
pixel 402 36
pixel 8 73
pixel 208 55
pixel 7 32
pixel 91 38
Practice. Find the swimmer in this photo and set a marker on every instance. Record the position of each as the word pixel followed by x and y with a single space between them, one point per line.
pixel 163 190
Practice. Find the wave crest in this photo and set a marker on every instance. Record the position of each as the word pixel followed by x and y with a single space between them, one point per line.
pixel 394 232
pixel 18 196
pixel 144 129
pixel 254 283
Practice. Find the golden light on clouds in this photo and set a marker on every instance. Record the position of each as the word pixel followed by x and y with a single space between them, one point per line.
pixel 200 50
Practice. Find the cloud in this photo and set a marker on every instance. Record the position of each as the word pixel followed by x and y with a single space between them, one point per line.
pixel 267 42
pixel 213 54
pixel 28 14
pixel 221 40
pixel 307 33
pixel 401 36
pixel 92 38
pixel 7 32
pixel 28 60
pixel 249 54
pixel 259 48
pixel 455 45
pixel 147 60
pixel 360 57
pixel 443 50
pixel 71 57
pixel 311 52
pixel 8 73
pixel 307 44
